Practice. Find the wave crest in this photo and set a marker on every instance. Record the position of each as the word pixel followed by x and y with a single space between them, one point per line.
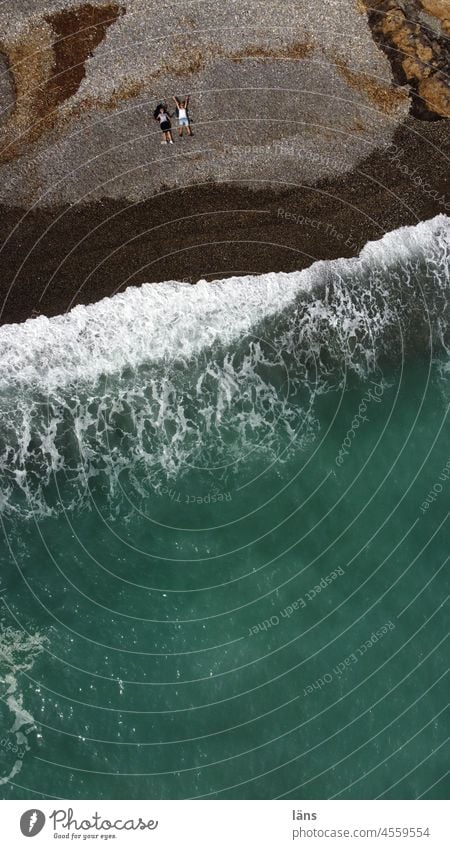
pixel 170 376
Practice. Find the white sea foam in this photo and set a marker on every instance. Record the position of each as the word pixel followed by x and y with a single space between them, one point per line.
pixel 171 376
pixel 177 320
pixel 148 323
pixel 18 651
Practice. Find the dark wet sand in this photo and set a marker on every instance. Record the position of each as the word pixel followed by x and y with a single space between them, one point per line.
pixel 51 260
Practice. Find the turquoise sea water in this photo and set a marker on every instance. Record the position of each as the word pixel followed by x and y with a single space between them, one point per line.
pixel 224 554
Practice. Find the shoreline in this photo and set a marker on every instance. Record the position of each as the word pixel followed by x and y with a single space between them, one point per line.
pixel 52 259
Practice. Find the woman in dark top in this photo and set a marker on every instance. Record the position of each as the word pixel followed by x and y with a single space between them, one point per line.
pixel 162 116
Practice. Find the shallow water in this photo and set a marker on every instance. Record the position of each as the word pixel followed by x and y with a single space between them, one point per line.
pixel 224 553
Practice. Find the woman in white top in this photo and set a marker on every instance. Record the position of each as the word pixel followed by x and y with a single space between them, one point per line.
pixel 183 117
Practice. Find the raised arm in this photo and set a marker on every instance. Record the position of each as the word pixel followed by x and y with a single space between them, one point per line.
pixel 176 100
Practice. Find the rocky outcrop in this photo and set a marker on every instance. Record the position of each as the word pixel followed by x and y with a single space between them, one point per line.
pixel 414 34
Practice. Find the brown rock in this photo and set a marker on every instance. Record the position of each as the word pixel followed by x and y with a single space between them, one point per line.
pixel 436 95
pixel 404 31
pixel 438 8
pixel 393 21
pixel 424 52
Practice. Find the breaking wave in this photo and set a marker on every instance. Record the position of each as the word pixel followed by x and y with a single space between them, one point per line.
pixel 169 377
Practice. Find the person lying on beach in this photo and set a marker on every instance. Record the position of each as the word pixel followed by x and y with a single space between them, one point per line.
pixel 162 116
pixel 183 117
